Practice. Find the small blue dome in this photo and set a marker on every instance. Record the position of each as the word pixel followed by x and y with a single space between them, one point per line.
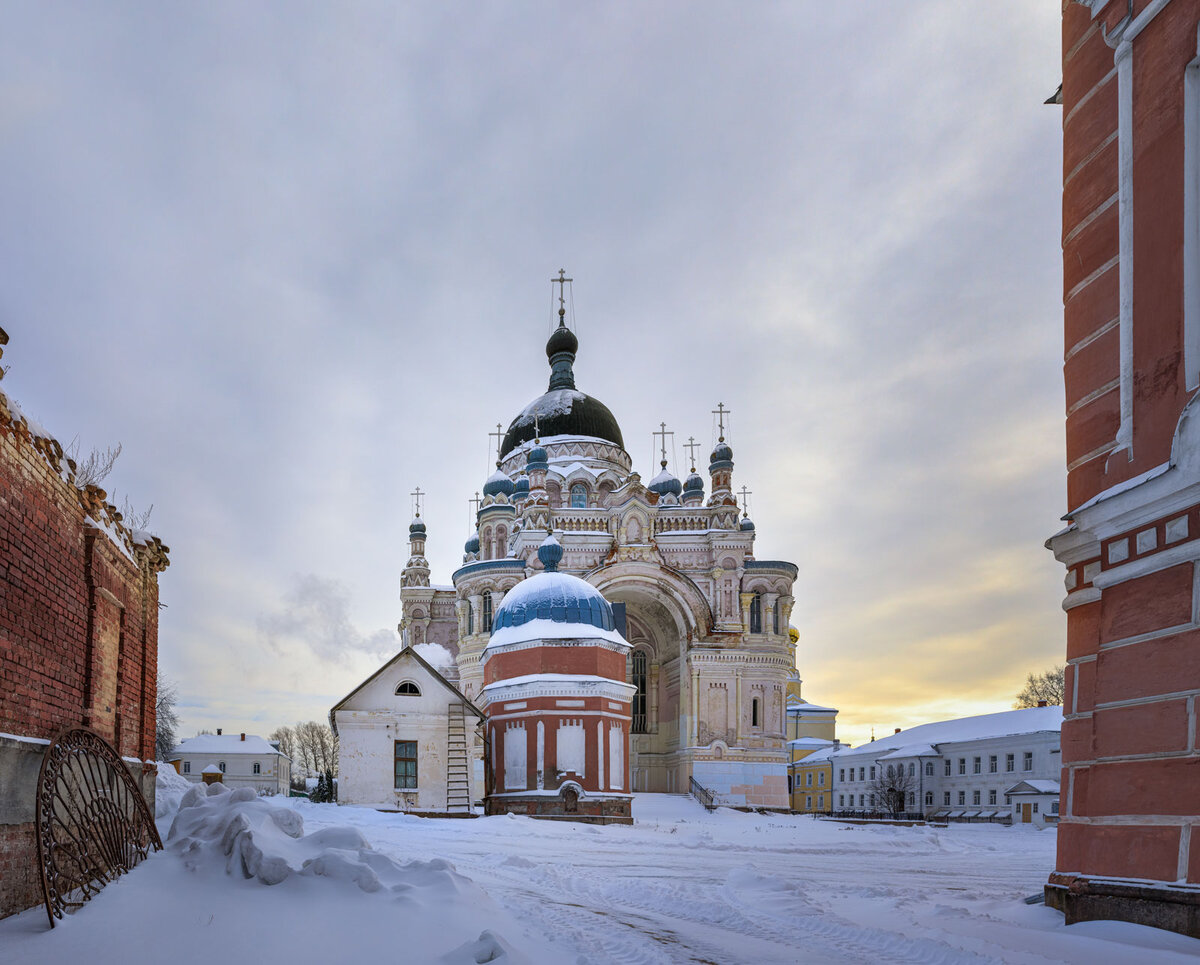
pixel 472 545
pixel 665 482
pixel 555 596
pixel 722 456
pixel 498 482
pixel 538 458
pixel 521 489
pixel 416 527
pixel 550 552
pixel 694 483
pixel 746 526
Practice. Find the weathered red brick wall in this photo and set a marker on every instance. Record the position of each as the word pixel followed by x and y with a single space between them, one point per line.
pixel 1131 751
pixel 78 627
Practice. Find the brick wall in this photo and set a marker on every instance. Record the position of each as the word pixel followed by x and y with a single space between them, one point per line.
pixel 78 625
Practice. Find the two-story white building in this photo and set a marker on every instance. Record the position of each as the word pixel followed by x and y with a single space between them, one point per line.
pixel 988 767
pixel 244 760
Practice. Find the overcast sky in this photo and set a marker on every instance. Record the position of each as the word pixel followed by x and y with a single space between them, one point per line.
pixel 296 259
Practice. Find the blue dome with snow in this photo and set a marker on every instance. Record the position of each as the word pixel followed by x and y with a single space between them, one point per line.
pixel 472 545
pixel 694 483
pixel 416 527
pixel 521 489
pixel 746 526
pixel 722 456
pixel 538 458
pixel 665 482
pixel 555 596
pixel 498 482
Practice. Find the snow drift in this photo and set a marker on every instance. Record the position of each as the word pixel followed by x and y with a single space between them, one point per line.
pixel 257 838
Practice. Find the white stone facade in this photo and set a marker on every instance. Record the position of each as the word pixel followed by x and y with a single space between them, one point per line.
pixel 244 760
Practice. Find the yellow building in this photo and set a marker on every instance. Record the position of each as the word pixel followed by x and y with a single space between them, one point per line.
pixel 810 774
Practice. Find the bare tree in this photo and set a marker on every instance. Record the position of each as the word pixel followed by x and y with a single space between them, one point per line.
pixel 1047 686
pixel 316 747
pixel 93 469
pixel 892 787
pixel 166 720
pixel 286 739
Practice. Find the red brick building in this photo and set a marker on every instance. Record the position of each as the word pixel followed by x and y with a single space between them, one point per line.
pixel 78 630
pixel 1128 845
pixel 556 700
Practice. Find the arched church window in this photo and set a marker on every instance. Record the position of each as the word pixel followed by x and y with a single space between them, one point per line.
pixel 501 543
pixel 485 543
pixel 487 612
pixel 754 712
pixel 470 618
pixel 775 618
pixel 579 496
pixel 639 697
pixel 756 614
pixel 408 689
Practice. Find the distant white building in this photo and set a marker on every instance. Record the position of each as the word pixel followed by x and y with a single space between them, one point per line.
pixel 244 760
pixel 974 768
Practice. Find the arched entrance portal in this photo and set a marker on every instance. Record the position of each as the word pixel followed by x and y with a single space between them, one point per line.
pixel 662 617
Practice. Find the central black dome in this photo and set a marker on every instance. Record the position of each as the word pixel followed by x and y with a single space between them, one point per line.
pixel 563 410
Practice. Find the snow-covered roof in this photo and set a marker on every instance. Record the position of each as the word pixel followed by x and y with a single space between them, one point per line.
pixel 1035 787
pixel 822 755
pixel 1009 723
pixel 552 605
pixel 223 744
pixel 912 750
pixel 810 742
pixel 211 769
pixel 795 705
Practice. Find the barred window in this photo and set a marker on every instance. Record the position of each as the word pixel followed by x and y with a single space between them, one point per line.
pixel 639 698
pixel 487 612
pixel 756 613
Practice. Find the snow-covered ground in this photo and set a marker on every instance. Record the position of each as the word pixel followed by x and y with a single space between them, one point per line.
pixel 681 885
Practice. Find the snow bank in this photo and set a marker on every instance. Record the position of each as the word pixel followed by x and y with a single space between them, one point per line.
pixel 257 838
pixel 169 789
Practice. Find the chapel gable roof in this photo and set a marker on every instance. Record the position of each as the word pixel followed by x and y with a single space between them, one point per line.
pixel 406 654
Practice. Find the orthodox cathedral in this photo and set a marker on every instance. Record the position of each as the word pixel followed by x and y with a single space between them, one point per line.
pixel 606 624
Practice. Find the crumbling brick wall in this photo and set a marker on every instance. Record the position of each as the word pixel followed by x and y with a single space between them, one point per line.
pixel 78 629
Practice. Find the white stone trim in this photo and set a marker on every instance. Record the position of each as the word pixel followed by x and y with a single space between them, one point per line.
pixel 1180 553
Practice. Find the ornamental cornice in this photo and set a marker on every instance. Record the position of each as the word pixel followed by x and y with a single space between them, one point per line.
pixel 571 642
pixel 503 690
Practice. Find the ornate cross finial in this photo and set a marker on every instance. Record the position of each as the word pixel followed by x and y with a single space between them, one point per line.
pixel 663 433
pixel 721 412
pixel 498 435
pixel 561 281
pixel 474 502
pixel 691 447
pixel 745 505
pixel 416 495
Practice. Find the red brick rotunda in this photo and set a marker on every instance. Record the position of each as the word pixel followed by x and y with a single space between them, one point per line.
pixel 557 704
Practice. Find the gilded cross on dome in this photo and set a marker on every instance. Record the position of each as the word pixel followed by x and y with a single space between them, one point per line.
pixel 498 435
pixel 663 433
pixel 691 446
pixel 561 281
pixel 745 504
pixel 416 495
pixel 721 412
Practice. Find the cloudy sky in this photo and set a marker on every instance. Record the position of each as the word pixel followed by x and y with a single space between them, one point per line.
pixel 296 259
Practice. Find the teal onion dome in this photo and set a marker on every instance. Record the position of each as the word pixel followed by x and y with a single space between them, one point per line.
pixel 722 456
pixel 665 482
pixel 693 484
pixel 550 552
pixel 416 527
pixel 471 545
pixel 521 487
pixel 746 526
pixel 538 458
pixel 498 482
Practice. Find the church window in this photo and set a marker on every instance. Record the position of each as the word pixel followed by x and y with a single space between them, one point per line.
pixel 470 619
pixel 754 712
pixel 775 618
pixel 406 765
pixel 501 543
pixel 578 496
pixel 257 768
pixel 187 767
pixel 408 689
pixel 485 543
pixel 487 612
pixel 756 613
pixel 639 697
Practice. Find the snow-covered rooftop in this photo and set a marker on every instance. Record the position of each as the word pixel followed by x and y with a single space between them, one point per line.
pixel 223 744
pixel 1035 787
pixel 795 705
pixel 1009 723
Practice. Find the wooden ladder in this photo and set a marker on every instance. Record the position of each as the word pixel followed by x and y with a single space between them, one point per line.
pixel 458 761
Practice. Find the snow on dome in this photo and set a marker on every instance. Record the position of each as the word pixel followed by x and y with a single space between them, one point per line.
pixel 574 606
pixel 665 482
pixel 746 526
pixel 498 482
pixel 694 483
pixel 417 525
